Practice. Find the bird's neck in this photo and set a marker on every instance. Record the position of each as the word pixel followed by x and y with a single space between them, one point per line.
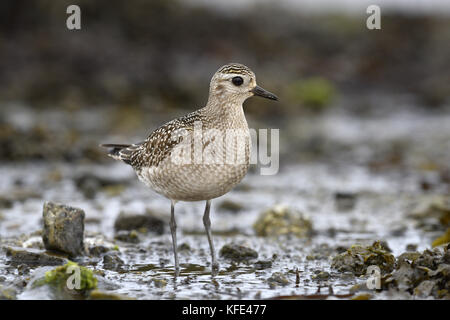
pixel 229 113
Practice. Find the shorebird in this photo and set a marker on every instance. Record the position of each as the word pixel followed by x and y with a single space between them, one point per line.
pixel 164 161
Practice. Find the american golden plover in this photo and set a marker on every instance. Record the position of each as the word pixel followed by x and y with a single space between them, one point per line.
pixel 188 158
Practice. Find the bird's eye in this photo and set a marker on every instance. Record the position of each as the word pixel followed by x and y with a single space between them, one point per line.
pixel 237 81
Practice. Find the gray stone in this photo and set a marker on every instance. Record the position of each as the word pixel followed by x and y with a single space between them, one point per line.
pixel 112 262
pixel 144 222
pixel 263 264
pixel 33 257
pixel 237 253
pixel 63 228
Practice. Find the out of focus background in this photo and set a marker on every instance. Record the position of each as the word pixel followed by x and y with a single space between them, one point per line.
pixel 137 64
pixel 364 119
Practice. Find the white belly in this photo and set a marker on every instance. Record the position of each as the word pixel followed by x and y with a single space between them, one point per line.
pixel 193 182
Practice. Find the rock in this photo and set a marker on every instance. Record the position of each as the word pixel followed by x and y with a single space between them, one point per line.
pixel 429 259
pixel 70 281
pixel 277 278
pixel 33 257
pixel 345 201
pixel 435 209
pixel 422 274
pixel 63 228
pixel 384 245
pixel 60 274
pixel 127 236
pixel 263 264
pixel 280 220
pixel 230 206
pixel 424 289
pixel 446 257
pixel 358 258
pixel 145 222
pixel 112 262
pixel 237 253
pixel 322 275
pixel 5 202
pixel 407 258
pixel 98 250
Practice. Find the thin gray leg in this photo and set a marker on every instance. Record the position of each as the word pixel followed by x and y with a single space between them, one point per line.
pixel 207 224
pixel 173 230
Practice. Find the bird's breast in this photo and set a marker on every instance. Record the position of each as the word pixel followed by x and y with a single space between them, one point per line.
pixel 201 167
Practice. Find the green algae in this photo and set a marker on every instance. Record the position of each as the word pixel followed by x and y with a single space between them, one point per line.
pixel 59 277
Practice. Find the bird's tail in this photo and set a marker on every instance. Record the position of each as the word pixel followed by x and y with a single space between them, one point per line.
pixel 121 152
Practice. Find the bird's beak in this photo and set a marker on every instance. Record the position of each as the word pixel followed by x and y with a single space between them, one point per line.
pixel 258 91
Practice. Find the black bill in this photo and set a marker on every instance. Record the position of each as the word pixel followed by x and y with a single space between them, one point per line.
pixel 258 91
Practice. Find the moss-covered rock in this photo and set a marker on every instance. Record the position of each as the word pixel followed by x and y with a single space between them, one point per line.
pixel 281 220
pixel 59 277
pixel 358 258
pixel 321 275
pixel 421 274
pixel 67 282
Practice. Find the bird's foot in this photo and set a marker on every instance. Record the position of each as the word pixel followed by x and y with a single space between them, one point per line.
pixel 215 268
pixel 177 272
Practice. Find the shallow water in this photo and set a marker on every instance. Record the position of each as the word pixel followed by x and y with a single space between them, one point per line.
pixel 384 201
pixel 381 209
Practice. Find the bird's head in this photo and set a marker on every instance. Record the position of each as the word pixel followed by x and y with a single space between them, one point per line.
pixel 236 82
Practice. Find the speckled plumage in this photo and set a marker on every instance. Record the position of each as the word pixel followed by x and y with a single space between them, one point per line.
pixel 199 179
pixel 152 160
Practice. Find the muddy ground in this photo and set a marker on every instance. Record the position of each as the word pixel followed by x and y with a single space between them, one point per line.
pixel 379 177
